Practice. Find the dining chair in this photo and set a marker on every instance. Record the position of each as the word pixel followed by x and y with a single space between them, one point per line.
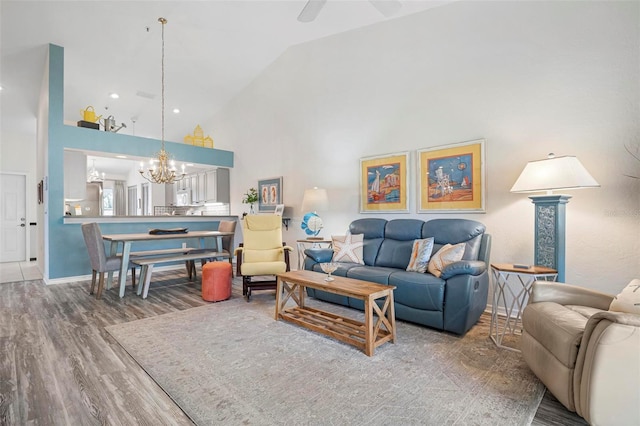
pixel 100 262
pixel 227 246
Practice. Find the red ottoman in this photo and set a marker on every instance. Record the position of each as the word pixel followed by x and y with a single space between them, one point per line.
pixel 216 281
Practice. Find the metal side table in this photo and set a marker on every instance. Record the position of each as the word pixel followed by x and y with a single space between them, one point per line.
pixel 511 300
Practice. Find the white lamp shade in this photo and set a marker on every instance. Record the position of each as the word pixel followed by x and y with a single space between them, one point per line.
pixel 315 199
pixel 554 173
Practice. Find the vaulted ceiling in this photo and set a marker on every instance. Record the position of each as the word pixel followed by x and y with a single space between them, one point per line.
pixel 213 50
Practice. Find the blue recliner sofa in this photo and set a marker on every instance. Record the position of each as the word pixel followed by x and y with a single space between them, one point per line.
pixel 453 302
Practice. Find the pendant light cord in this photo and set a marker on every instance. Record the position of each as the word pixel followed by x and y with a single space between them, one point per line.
pixel 163 22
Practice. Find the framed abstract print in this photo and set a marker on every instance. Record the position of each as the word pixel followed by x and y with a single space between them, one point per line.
pixel 451 178
pixel 384 183
pixel 269 194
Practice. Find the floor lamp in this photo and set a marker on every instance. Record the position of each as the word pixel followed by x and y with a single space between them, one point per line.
pixel 552 173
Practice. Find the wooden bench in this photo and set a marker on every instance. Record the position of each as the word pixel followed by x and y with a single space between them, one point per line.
pixel 146 264
pixel 148 253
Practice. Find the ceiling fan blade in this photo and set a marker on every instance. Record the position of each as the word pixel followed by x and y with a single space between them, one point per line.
pixel 311 10
pixel 386 7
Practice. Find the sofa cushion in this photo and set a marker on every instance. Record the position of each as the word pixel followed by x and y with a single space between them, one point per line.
pixel 628 300
pixel 447 255
pixel 452 231
pixel 371 273
pixel 394 254
pixel 373 231
pixel 419 291
pixel 420 255
pixel 348 248
pixel 557 328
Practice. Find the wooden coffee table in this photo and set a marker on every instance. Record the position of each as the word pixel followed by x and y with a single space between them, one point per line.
pixel 366 336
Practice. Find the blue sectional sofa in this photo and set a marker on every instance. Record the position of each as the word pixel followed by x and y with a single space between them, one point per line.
pixel 453 302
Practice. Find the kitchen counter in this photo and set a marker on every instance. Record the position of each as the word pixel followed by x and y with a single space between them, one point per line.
pixel 146 219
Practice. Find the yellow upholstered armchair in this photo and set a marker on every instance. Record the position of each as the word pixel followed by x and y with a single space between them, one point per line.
pixel 262 253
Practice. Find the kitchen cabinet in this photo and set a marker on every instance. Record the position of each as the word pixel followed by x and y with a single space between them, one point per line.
pixel 202 187
pixel 217 185
pixel 183 184
pixel 170 192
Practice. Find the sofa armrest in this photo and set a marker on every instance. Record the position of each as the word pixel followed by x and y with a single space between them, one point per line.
pixel 606 377
pixel 320 255
pixel 468 267
pixel 567 294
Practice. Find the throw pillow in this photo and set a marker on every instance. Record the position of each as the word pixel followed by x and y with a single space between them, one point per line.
pixel 445 256
pixel 348 248
pixel 420 254
pixel 628 300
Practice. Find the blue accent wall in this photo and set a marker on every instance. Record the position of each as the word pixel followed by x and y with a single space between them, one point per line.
pixel 66 251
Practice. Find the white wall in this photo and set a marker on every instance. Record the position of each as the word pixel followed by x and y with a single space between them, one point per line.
pixel 529 77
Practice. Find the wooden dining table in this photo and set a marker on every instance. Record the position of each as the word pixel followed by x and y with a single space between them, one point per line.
pixel 128 239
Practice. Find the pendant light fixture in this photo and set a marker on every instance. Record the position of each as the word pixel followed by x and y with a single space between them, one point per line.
pixel 162 169
pixel 93 175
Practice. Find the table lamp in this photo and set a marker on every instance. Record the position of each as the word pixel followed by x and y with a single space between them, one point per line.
pixel 552 173
pixel 313 200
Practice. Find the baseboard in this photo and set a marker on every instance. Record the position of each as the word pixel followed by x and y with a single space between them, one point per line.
pixel 66 280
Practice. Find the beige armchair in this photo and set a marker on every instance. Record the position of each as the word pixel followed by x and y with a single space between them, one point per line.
pixel 587 356
pixel 262 253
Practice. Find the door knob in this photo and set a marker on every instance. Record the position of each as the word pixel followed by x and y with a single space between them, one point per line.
pixel 23 225
pixel 22 219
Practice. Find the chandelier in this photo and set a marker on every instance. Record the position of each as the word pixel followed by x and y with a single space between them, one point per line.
pixel 162 169
pixel 93 175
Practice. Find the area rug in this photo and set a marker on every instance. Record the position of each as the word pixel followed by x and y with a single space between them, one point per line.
pixel 232 363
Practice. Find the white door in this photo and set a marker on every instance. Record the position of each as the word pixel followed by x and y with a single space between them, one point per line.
pixel 13 218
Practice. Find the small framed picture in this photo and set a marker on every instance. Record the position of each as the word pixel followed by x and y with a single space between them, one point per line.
pixel 269 194
pixel 279 210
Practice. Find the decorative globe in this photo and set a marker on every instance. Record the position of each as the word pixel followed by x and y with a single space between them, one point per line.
pixel 312 224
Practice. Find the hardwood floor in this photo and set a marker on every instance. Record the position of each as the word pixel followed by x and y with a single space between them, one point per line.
pixel 58 365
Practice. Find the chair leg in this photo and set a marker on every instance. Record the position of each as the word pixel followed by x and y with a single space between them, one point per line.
pixel 93 281
pixel 189 266
pixel 100 286
pixel 133 277
pixel 246 289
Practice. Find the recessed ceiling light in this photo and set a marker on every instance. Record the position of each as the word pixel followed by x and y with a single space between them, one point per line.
pixel 121 156
pixel 0 87
pixel 114 95
pixel 176 110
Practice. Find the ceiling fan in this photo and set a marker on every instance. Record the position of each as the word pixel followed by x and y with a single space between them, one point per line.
pixel 313 7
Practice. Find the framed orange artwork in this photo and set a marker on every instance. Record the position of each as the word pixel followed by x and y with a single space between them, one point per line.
pixel 384 183
pixel 451 178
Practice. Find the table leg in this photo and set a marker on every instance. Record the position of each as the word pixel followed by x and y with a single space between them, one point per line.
pixel 300 255
pixel 368 326
pixel 126 249
pixel 392 316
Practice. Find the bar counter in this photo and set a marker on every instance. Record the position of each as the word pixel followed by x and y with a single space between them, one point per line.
pixel 75 265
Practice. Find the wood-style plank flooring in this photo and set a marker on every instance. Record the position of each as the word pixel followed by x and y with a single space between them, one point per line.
pixel 58 365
